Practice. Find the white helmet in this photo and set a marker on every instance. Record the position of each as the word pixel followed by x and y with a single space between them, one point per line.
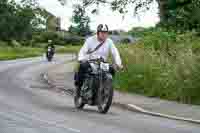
pixel 49 41
pixel 102 28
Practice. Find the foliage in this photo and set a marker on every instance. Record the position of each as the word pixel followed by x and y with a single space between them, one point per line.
pixel 19 21
pixel 74 40
pixel 7 53
pixel 81 21
pixel 162 64
pixel 140 31
pixel 181 15
pixel 57 38
pixel 69 49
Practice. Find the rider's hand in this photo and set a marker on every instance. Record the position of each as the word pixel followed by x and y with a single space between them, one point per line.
pixel 121 67
pixel 117 67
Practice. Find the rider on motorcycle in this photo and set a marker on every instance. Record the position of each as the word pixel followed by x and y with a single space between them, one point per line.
pixel 98 45
pixel 51 46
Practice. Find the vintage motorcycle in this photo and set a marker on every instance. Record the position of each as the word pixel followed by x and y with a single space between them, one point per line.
pixel 49 53
pixel 97 88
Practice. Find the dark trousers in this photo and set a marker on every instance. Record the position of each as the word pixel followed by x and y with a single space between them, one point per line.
pixel 80 75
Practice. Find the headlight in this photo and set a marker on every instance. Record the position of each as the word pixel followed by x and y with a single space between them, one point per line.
pixel 104 66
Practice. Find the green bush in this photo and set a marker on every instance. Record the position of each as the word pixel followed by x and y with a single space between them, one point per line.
pixel 57 38
pixel 162 64
pixel 3 43
pixel 74 40
pixel 7 53
pixel 68 49
pixel 125 41
pixel 14 43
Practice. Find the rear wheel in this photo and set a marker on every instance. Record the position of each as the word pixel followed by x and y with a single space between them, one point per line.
pixel 105 96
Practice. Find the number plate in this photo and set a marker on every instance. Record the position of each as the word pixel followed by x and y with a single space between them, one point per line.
pixel 104 66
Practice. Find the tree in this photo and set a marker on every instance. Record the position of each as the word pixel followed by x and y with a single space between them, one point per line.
pixel 81 21
pixel 178 14
pixel 119 5
pixel 19 21
pixel 181 14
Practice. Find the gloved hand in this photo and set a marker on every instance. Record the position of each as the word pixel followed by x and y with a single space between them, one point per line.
pixel 117 67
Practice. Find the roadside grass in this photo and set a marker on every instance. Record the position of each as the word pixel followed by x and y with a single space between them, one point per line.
pixel 165 69
pixel 68 49
pixel 8 53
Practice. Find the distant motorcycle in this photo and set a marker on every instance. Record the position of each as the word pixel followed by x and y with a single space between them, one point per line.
pixel 50 53
pixel 97 89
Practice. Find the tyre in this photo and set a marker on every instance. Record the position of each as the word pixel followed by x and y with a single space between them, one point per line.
pixel 78 101
pixel 105 96
pixel 49 59
pixel 49 56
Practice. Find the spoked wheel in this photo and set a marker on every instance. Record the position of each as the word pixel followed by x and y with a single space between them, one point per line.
pixel 105 95
pixel 49 59
pixel 78 101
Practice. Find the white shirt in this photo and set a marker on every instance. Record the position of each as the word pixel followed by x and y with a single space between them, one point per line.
pixel 92 42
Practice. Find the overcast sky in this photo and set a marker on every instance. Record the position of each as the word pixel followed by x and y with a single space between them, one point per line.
pixel 106 15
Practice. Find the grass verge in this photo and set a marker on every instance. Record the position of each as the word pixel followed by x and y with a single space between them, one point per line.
pixel 164 67
pixel 9 53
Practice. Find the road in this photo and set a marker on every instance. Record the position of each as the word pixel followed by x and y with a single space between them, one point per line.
pixel 28 105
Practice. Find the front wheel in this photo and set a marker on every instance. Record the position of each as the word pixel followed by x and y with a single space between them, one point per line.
pixel 49 56
pixel 78 101
pixel 49 59
pixel 105 96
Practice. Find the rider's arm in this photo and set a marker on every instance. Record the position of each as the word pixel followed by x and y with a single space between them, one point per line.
pixel 115 54
pixel 83 52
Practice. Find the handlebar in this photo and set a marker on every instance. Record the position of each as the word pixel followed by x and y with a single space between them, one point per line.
pixel 98 60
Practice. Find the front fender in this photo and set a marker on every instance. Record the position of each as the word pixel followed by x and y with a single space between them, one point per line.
pixel 109 76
